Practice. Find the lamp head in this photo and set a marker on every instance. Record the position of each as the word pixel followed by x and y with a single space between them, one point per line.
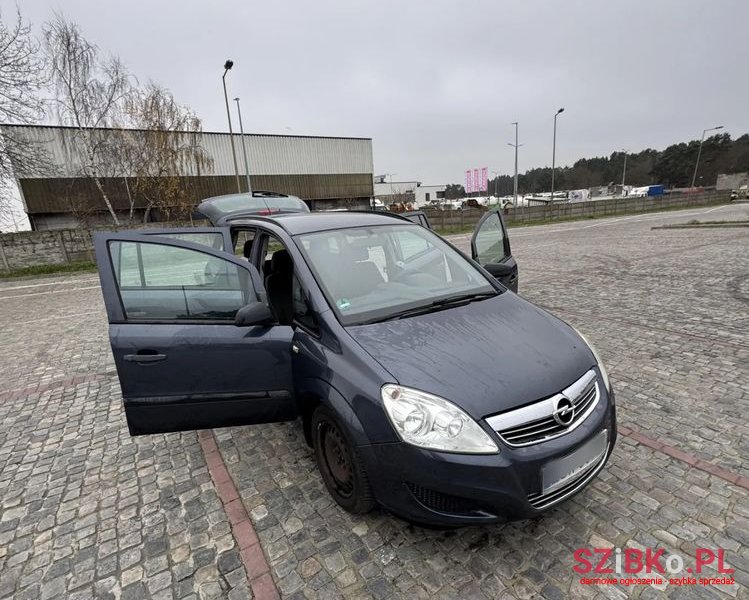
pixel 228 64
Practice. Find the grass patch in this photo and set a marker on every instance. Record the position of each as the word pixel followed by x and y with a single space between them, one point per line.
pixel 76 267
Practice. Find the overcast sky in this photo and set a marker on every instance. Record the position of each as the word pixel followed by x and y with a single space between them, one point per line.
pixel 436 84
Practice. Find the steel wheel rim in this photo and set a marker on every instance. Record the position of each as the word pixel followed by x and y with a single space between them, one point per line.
pixel 337 459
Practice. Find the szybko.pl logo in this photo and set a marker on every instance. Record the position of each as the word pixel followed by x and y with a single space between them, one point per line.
pixel 651 566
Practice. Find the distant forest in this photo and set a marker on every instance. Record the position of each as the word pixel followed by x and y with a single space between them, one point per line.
pixel 672 167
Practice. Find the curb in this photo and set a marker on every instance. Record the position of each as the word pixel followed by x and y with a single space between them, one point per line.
pixel 726 225
pixel 255 564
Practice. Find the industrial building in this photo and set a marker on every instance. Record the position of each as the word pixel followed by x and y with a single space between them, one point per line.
pixel 414 192
pixel 732 181
pixel 326 172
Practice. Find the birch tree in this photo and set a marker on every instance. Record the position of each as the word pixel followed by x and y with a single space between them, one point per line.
pixel 90 95
pixel 164 148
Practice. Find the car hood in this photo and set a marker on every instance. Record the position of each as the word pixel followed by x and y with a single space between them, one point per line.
pixel 486 357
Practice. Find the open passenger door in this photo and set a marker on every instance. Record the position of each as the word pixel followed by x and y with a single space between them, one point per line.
pixel 182 362
pixel 490 247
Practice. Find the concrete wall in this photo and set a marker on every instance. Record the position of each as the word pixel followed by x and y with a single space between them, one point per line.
pixel 58 247
pixel 33 248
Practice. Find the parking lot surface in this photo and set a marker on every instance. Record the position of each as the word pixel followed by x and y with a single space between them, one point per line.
pixel 87 511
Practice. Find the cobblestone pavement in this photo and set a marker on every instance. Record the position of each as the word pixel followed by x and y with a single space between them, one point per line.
pixel 86 511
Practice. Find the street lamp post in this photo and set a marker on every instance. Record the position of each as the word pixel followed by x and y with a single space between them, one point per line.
pixel 227 66
pixel 554 152
pixel 624 170
pixel 699 152
pixel 244 147
pixel 516 146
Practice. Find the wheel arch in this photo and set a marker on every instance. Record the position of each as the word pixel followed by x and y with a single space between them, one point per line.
pixel 314 392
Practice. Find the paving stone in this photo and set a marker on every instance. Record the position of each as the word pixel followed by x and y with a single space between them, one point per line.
pixel 88 511
pixel 81 508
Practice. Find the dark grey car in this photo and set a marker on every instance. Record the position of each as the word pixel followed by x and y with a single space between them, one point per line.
pixel 423 384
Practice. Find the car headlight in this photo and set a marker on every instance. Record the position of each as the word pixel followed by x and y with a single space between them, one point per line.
pixel 601 368
pixel 432 422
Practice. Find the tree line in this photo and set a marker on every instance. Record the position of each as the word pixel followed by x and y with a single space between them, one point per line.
pixel 672 167
pixel 64 78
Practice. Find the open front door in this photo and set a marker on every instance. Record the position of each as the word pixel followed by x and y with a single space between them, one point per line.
pixel 182 362
pixel 490 246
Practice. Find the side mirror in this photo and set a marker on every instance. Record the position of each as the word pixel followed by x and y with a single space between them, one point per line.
pixel 255 313
pixel 498 269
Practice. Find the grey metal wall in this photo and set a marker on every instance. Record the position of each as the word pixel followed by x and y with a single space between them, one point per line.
pixel 267 154
pixel 321 170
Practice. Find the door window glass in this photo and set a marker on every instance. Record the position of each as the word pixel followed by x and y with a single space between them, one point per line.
pixel 160 282
pixel 490 244
pixel 212 239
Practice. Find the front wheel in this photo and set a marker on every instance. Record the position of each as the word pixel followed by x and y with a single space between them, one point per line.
pixel 339 465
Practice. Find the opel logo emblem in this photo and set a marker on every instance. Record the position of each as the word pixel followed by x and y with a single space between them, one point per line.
pixel 564 411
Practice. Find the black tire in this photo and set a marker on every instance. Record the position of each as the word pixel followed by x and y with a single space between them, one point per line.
pixel 340 466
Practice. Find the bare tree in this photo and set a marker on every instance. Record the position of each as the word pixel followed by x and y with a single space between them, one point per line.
pixel 21 78
pixel 162 150
pixel 90 94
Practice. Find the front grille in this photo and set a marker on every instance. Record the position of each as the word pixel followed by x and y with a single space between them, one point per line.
pixel 535 423
pixel 444 503
pixel 539 500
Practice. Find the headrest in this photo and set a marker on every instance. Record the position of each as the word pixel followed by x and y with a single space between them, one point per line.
pixel 281 261
pixel 247 251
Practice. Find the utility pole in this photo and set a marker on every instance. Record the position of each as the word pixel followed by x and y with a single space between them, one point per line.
pixel 624 170
pixel 554 152
pixel 244 147
pixel 227 66
pixel 699 152
pixel 516 146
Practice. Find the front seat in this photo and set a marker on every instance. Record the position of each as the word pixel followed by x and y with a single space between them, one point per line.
pixel 247 249
pixel 278 284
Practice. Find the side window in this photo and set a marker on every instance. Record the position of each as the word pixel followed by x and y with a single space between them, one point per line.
pixel 159 282
pixel 302 312
pixel 244 243
pixel 490 246
pixel 270 245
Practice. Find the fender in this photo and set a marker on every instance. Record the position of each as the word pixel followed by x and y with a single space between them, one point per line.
pixel 322 391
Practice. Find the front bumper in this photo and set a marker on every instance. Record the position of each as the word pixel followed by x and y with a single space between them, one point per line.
pixel 439 488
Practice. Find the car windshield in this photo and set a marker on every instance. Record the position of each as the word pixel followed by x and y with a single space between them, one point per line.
pixel 376 273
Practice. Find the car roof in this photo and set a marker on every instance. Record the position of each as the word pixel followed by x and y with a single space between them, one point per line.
pixel 220 209
pixel 300 223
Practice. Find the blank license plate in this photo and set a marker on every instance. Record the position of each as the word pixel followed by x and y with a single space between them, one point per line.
pixel 559 472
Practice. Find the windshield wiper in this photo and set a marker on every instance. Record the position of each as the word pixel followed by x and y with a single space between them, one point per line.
pixel 434 306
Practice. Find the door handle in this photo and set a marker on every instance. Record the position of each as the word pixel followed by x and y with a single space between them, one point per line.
pixel 144 358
